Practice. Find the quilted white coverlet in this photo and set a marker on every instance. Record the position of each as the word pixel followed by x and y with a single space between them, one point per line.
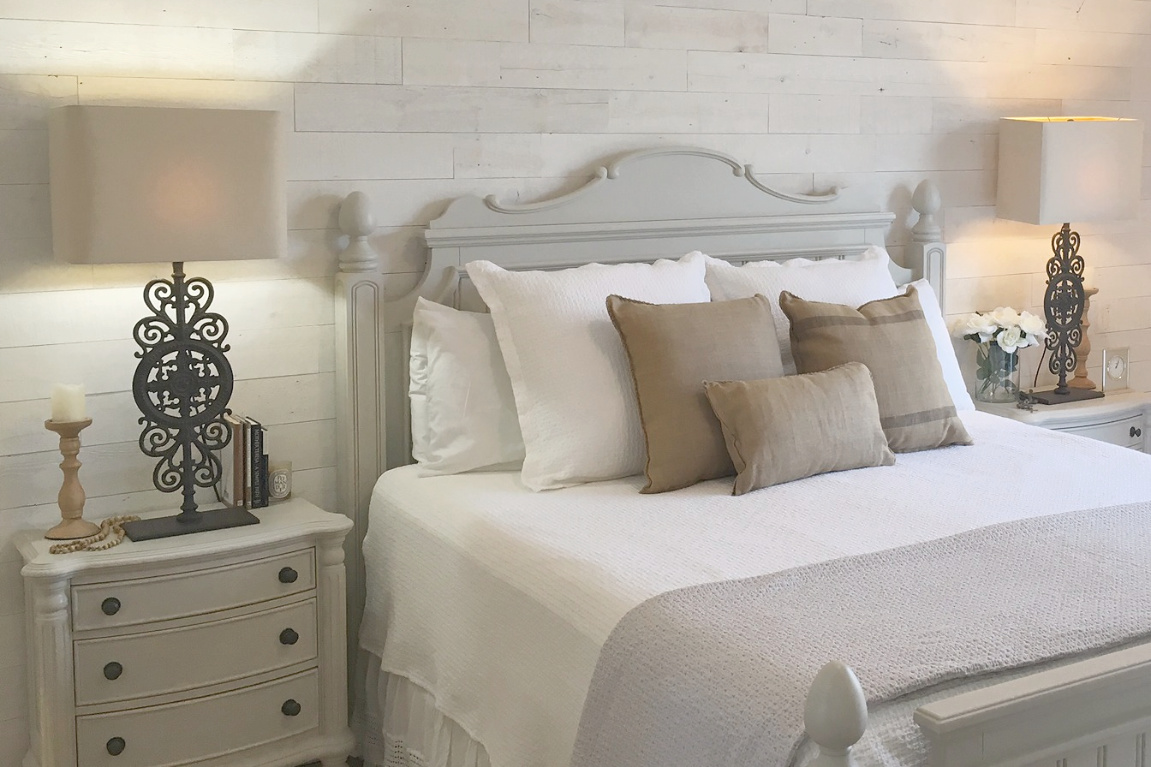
pixel 718 674
pixel 497 600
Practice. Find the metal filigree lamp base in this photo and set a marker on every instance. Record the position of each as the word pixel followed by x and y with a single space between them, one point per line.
pixel 182 386
pixel 1063 305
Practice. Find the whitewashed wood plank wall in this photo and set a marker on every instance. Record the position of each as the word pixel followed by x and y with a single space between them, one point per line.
pixel 417 102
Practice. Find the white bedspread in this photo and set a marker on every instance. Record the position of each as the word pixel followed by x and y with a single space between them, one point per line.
pixel 497 599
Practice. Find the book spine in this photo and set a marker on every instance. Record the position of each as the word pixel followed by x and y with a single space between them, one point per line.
pixel 259 477
pixel 246 462
pixel 232 463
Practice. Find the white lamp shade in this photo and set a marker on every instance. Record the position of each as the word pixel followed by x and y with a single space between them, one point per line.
pixel 149 184
pixel 1055 170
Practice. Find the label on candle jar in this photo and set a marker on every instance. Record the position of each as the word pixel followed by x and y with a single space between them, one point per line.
pixel 68 403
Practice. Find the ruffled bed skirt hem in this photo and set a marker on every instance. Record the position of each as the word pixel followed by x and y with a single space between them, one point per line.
pixel 397 724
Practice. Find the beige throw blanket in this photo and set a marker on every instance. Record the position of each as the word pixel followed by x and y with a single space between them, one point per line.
pixel 716 675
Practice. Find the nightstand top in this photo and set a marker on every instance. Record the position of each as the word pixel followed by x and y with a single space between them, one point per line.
pixel 1114 405
pixel 280 522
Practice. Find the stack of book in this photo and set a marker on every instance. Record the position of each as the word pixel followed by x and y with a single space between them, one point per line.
pixel 244 464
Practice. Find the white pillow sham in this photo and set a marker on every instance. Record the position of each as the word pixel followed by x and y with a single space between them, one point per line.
pixel 944 345
pixel 851 282
pixel 569 372
pixel 463 410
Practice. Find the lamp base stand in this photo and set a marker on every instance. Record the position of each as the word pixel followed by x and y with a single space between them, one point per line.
pixel 167 527
pixel 1073 395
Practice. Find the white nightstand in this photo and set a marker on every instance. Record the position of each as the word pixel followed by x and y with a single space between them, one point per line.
pixel 218 648
pixel 1121 418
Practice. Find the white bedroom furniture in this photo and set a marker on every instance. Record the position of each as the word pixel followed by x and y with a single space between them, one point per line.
pixel 579 558
pixel 1121 418
pixel 225 648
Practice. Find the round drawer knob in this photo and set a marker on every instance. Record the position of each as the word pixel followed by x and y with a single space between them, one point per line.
pixel 288 636
pixel 290 708
pixel 110 606
pixel 113 670
pixel 288 575
pixel 116 746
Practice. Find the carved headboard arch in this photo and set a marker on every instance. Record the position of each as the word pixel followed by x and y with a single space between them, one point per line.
pixel 646 205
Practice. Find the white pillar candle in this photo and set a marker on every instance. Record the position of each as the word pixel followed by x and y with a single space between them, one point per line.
pixel 68 403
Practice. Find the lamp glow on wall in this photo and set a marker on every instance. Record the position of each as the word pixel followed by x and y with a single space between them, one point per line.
pixel 148 184
pixel 1055 170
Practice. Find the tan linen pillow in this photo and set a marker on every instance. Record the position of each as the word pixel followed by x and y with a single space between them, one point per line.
pixel 672 349
pixel 892 338
pixel 783 429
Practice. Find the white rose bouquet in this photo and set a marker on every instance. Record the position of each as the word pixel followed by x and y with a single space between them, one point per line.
pixel 1008 329
pixel 1000 335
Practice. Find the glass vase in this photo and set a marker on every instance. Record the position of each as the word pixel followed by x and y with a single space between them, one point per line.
pixel 996 374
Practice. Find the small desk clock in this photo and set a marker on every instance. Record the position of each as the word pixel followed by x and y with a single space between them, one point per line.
pixel 1115 368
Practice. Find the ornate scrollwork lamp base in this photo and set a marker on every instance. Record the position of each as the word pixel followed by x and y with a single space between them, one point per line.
pixel 182 386
pixel 1063 305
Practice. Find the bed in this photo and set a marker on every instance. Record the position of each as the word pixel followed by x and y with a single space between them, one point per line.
pixel 486 605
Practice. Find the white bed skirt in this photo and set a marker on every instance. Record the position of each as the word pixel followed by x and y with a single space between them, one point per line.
pixel 397 724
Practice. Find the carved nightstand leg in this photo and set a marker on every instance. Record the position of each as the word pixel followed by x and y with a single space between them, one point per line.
pixel 330 582
pixel 51 641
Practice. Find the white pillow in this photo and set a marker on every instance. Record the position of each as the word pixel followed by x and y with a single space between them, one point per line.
pixel 833 281
pixel 467 412
pixel 944 346
pixel 418 390
pixel 573 389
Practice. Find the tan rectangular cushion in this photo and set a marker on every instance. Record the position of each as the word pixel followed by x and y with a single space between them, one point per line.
pixel 892 338
pixel 782 429
pixel 673 349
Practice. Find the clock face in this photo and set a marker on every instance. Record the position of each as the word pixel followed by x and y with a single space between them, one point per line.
pixel 1116 367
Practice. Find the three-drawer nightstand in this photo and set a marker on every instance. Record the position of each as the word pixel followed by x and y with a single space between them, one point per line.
pixel 217 648
pixel 1121 418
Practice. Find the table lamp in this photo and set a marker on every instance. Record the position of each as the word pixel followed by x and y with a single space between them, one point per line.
pixel 147 184
pixel 1054 170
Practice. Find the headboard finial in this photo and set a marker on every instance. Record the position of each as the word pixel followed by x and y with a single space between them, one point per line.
pixel 356 221
pixel 927 201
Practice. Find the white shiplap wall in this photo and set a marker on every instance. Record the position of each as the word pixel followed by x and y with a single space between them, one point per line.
pixel 417 102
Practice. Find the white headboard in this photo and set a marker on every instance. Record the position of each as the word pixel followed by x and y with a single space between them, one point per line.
pixel 646 205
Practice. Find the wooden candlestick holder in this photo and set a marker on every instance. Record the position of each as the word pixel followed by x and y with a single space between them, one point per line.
pixel 71 498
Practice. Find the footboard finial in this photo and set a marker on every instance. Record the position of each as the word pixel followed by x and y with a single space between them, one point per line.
pixel 835 715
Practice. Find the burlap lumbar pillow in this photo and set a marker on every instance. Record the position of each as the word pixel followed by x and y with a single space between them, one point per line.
pixel 672 349
pixel 892 338
pixel 783 429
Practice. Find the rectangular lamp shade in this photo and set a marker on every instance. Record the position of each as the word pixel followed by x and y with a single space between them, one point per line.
pixel 1055 170
pixel 150 184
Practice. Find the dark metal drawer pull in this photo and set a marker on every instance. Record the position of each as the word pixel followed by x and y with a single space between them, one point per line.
pixel 290 708
pixel 113 670
pixel 288 575
pixel 1136 432
pixel 116 746
pixel 288 636
pixel 110 606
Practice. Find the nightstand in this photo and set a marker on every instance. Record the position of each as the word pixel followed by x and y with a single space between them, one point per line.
pixel 1121 418
pixel 218 648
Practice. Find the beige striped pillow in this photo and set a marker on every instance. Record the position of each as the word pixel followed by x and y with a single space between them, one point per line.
pixel 892 338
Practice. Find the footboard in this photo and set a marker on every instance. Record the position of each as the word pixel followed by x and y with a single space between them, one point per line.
pixel 1092 713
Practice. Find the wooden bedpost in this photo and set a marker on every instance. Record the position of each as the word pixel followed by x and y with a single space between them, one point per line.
pixel 835 715
pixel 927 248
pixel 360 412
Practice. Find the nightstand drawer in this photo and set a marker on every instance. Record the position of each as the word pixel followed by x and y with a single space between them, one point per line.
pixel 1127 432
pixel 201 728
pixel 156 662
pixel 146 600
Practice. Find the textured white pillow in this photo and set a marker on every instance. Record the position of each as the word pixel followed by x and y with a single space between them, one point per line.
pixel 573 390
pixel 468 411
pixel 833 281
pixel 418 390
pixel 944 346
